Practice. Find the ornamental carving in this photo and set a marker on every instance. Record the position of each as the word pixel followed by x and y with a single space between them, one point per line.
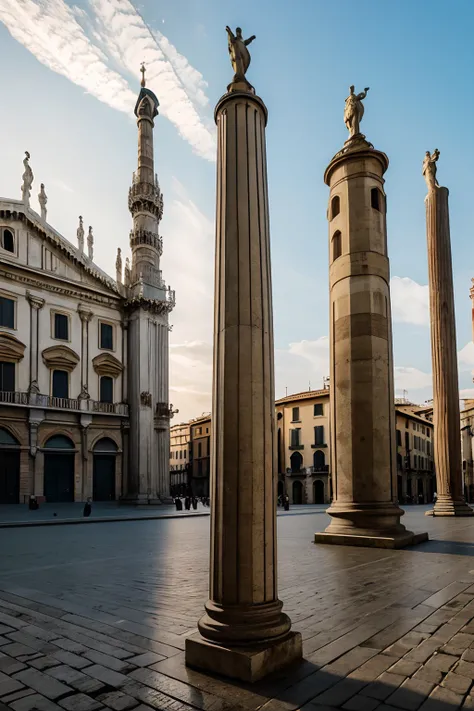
pixel 11 349
pixel 146 237
pixel 60 357
pixel 145 399
pixel 107 364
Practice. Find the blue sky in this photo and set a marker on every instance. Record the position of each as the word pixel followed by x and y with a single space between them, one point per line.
pixel 70 74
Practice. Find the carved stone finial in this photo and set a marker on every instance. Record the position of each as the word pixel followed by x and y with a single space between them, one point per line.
pixel 239 57
pixel 90 244
pixel 354 111
pixel 28 178
pixel 143 70
pixel 80 235
pixel 430 168
pixel 118 266
pixel 42 199
pixel 127 277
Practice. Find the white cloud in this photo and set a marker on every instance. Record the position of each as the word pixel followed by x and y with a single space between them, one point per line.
pixel 410 301
pixel 80 47
pixel 407 378
pixel 191 378
pixel 127 37
pixel 466 357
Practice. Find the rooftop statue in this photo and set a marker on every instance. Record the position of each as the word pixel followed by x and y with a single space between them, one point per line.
pixel 354 111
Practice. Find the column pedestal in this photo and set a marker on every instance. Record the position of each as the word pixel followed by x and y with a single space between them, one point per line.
pixel 446 416
pixel 244 633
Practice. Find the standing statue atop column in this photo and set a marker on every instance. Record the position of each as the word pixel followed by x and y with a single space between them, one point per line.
pixel 42 199
pixel 90 244
pixel 127 278
pixel 118 266
pixel 354 111
pixel 429 169
pixel 80 235
pixel 239 54
pixel 28 178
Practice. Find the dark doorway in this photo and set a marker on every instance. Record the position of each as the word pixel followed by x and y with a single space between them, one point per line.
pixel 319 461
pixel 318 491
pixel 280 490
pixel 296 461
pixel 297 492
pixel 9 477
pixel 103 488
pixel 59 477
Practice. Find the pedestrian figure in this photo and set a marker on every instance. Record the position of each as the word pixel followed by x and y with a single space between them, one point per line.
pixel 87 508
pixel 187 503
pixel 33 504
pixel 287 503
pixel 195 503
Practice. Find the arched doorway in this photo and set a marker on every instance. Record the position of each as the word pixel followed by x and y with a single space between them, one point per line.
pixel 297 492
pixel 59 470
pixel 9 468
pixel 319 461
pixel 318 491
pixel 280 490
pixel 296 461
pixel 103 479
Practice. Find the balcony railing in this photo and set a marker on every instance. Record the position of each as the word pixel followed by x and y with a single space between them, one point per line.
pixel 323 469
pixel 63 403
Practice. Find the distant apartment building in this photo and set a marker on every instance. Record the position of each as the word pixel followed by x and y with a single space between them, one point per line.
pixel 416 481
pixel 200 455
pixel 467 445
pixel 180 457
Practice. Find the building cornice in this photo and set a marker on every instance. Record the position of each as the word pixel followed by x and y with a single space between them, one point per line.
pixel 307 395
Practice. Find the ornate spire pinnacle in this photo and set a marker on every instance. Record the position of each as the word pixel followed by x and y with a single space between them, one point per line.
pixel 118 266
pixel 90 244
pixel 143 70
pixel 42 199
pixel 80 235
pixel 28 178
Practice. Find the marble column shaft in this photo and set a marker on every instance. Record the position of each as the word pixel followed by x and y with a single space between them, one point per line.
pixel 244 609
pixel 446 417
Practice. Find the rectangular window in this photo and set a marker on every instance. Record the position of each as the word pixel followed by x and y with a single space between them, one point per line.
pixel 319 435
pixel 399 438
pixel 295 437
pixel 428 432
pixel 198 430
pixel 61 327
pixel 199 449
pixel 60 383
pixel 318 409
pixel 296 414
pixel 7 312
pixel 413 425
pixel 7 377
pixel 185 454
pixel 107 336
pixel 106 389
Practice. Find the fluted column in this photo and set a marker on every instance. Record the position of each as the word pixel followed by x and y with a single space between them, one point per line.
pixel 446 418
pixel 36 303
pixel 244 633
pixel 85 316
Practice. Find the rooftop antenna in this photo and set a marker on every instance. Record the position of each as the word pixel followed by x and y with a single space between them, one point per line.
pixel 286 390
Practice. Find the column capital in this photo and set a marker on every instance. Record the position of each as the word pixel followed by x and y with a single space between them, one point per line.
pixel 85 314
pixel 36 302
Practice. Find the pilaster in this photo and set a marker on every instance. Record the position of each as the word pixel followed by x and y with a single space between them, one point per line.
pixel 85 315
pixel 36 303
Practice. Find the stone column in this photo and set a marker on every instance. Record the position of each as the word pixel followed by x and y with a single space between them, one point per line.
pixel 36 303
pixel 363 447
pixel 446 417
pixel 244 633
pixel 85 315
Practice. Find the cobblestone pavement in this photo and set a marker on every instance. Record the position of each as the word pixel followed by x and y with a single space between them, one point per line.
pixel 95 617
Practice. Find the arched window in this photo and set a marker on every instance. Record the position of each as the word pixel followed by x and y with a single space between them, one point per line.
pixel 59 442
pixel 319 460
pixel 336 244
pixel 335 206
pixel 296 461
pixel 8 240
pixel 106 389
pixel 376 199
pixel 105 445
pixel 7 439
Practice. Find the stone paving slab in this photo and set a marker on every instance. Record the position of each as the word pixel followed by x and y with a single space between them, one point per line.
pixel 91 621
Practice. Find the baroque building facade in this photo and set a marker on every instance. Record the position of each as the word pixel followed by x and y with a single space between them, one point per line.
pixel 84 408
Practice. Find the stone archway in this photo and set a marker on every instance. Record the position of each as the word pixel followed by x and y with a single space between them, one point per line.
pixel 59 469
pixel 297 492
pixel 103 477
pixel 9 468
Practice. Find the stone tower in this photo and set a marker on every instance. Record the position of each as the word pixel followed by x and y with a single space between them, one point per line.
pixel 148 306
pixel 364 510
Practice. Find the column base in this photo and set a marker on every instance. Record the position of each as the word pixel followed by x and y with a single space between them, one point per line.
pixel 374 525
pixel 247 664
pixel 447 506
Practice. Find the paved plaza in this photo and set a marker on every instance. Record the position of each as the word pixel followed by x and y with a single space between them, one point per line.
pixel 96 616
